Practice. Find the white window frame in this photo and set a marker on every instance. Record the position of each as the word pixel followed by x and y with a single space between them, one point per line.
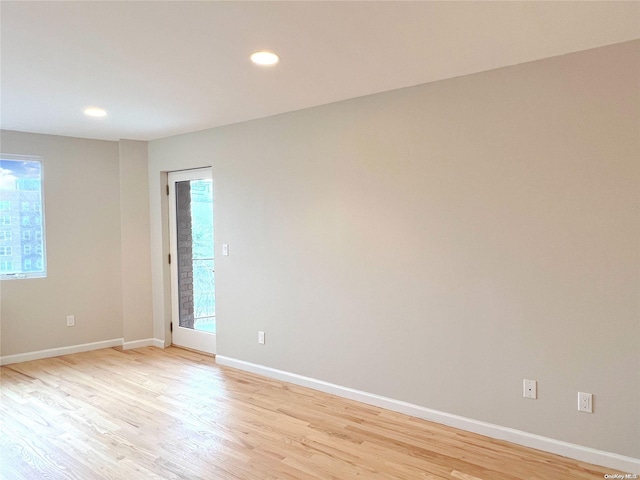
pixel 22 272
pixel 5 235
pixel 6 251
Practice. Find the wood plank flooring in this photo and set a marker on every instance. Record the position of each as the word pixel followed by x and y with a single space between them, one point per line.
pixel 174 414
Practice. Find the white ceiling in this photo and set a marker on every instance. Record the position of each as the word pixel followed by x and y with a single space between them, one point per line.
pixel 164 68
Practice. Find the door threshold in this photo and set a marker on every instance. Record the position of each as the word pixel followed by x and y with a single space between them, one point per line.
pixel 194 350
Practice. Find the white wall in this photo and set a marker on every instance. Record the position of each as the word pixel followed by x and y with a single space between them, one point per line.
pixel 440 243
pixel 97 239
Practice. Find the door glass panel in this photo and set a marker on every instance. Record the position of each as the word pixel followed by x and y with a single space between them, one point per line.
pixel 196 277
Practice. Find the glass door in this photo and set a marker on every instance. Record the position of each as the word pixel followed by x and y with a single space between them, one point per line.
pixel 192 259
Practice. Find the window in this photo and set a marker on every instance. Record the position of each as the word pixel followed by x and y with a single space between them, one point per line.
pixel 5 235
pixel 21 190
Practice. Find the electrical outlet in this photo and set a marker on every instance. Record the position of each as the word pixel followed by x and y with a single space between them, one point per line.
pixel 71 320
pixel 530 389
pixel 261 338
pixel 585 402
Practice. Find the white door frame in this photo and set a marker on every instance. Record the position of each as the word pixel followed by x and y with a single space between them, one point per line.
pixel 181 336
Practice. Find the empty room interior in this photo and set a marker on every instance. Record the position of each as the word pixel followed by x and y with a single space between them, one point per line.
pixel 331 240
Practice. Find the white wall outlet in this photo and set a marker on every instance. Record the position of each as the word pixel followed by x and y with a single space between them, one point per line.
pixel 585 402
pixel 530 389
pixel 261 338
pixel 225 249
pixel 71 320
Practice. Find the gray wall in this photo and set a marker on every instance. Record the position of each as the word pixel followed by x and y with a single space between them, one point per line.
pixel 440 243
pixel 82 215
pixel 134 225
pixel 97 241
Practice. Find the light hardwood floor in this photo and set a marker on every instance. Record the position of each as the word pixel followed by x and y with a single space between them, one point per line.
pixel 174 414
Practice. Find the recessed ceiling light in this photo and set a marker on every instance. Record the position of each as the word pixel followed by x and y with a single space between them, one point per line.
pixel 95 112
pixel 264 58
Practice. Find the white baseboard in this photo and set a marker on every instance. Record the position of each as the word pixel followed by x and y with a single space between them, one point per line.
pixel 56 352
pixel 85 347
pixel 146 342
pixel 558 447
